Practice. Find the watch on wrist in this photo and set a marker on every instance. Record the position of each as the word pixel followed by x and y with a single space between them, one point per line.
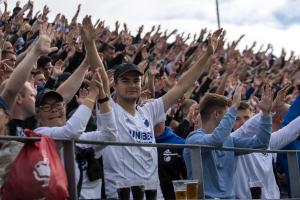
pixel 101 101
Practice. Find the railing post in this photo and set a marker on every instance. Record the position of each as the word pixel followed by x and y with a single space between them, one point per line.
pixel 294 174
pixel 197 170
pixel 69 161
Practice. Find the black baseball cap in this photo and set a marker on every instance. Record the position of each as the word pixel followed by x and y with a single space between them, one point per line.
pixel 124 68
pixel 46 93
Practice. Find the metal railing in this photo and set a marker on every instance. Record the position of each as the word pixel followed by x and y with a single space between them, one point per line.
pixel 196 157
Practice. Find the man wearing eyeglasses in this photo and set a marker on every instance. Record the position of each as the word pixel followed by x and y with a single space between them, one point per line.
pixel 50 109
pixel 51 113
pixel 51 116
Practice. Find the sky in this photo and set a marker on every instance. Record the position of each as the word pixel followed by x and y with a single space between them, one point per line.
pixel 265 21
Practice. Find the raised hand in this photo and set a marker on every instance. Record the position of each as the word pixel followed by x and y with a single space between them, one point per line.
pixel 30 4
pixel 280 98
pixel 117 26
pixel 83 93
pixel 125 27
pixel 88 32
pixel 78 7
pixel 195 37
pixel 153 69
pixel 166 32
pixel 236 100
pixel 174 32
pixel 213 41
pixel 57 69
pixel 188 37
pixel 182 34
pixel 43 44
pixel 152 29
pixel 265 104
pixel 283 53
pixel 158 28
pixel 240 38
pixel 203 31
pixel 97 85
pixel 46 11
pixel 141 28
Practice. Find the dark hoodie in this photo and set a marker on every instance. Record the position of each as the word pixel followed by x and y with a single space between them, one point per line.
pixel 171 165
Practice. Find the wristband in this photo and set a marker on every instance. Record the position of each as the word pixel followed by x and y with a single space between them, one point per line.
pixel 90 100
pixel 101 101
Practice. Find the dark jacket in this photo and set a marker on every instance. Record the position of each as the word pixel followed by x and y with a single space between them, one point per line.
pixel 171 165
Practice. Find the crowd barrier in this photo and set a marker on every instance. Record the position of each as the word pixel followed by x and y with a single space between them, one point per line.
pixel 68 158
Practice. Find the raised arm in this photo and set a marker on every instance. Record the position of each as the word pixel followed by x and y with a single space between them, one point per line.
pixel 223 130
pixel 230 66
pixel 74 19
pixel 76 125
pixel 193 74
pixel 22 71
pixel 27 6
pixel 291 131
pixel 106 123
pixel 285 135
pixel 88 34
pixel 264 130
pixel 69 88
pixel 248 129
pixel 5 7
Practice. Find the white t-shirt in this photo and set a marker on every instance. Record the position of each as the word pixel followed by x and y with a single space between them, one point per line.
pixel 125 165
pixel 255 167
pixel 258 166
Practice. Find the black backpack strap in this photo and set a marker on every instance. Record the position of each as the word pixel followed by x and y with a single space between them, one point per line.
pixel 79 162
pixel 103 195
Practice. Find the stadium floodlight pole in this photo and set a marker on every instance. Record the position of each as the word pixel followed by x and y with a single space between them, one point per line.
pixel 218 14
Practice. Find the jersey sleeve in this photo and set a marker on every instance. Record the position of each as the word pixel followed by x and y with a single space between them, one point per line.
pixel 155 109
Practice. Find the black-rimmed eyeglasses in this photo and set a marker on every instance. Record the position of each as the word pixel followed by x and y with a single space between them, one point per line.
pixel 47 107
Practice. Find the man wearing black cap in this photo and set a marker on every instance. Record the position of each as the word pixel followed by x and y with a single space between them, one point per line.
pixel 51 112
pixel 133 165
pixel 51 115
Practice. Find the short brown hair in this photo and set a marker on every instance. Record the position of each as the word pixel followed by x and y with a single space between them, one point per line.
pixel 187 103
pixel 244 105
pixel 210 103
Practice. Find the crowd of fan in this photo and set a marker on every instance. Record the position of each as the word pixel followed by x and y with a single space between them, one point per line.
pixel 86 81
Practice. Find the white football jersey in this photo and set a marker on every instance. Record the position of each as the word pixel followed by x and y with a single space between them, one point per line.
pixel 126 165
pixel 255 167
